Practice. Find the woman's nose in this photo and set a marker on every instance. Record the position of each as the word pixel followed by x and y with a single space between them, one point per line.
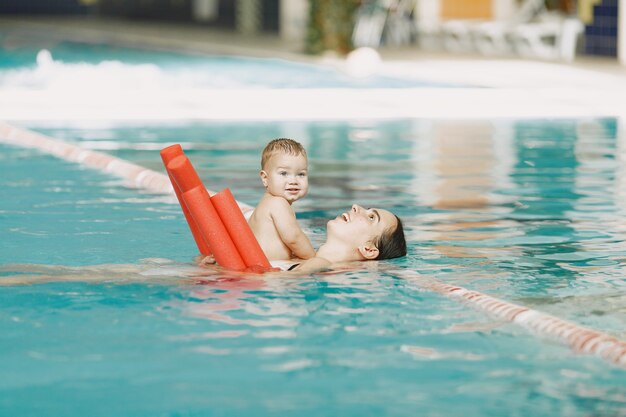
pixel 356 208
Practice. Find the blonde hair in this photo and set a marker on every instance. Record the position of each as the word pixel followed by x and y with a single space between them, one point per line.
pixel 284 145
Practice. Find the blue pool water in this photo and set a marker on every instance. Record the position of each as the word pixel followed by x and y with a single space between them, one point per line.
pixel 530 211
pixel 74 65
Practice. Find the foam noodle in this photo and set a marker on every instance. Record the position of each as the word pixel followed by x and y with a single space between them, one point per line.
pixel 239 230
pixel 184 174
pixel 171 152
pixel 167 154
pixel 199 204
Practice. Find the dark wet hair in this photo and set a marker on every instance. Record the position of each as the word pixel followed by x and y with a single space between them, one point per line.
pixel 392 243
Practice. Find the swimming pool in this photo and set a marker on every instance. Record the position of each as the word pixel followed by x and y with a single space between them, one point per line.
pixel 77 65
pixel 507 218
pixel 530 211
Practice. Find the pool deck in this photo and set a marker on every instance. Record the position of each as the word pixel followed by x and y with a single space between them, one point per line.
pixel 496 88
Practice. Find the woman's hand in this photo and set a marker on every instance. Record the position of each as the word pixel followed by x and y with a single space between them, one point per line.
pixel 204 260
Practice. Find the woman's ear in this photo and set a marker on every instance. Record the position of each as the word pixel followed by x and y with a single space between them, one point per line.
pixel 263 176
pixel 369 251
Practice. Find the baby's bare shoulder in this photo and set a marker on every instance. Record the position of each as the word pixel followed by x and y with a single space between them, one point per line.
pixel 271 206
pixel 276 203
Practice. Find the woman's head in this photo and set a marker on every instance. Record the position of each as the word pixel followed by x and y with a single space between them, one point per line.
pixel 367 234
pixel 392 243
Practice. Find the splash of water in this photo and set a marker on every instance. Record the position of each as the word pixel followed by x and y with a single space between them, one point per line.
pixel 51 74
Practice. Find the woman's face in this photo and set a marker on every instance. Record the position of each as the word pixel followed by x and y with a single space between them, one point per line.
pixel 360 225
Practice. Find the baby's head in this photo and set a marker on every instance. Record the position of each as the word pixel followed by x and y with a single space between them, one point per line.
pixel 284 167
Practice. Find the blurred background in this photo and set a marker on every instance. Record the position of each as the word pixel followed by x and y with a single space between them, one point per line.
pixel 537 29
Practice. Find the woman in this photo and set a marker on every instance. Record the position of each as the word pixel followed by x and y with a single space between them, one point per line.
pixel 358 235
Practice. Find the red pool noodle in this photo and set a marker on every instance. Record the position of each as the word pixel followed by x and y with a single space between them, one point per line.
pixel 184 174
pixel 167 154
pixel 239 230
pixel 171 152
pixel 199 204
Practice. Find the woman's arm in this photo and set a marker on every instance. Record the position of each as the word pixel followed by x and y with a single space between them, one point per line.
pixel 310 266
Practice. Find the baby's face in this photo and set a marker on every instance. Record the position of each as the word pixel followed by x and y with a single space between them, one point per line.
pixel 286 176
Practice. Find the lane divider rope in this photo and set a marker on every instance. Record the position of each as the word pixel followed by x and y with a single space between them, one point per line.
pixel 580 339
pixel 136 175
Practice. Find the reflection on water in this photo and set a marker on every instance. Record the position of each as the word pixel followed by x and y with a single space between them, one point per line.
pixel 469 166
pixel 538 203
pixel 218 298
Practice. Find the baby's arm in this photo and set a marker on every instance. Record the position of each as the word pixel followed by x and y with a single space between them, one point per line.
pixel 289 230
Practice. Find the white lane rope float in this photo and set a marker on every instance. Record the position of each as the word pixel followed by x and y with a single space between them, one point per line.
pixel 580 339
pixel 137 175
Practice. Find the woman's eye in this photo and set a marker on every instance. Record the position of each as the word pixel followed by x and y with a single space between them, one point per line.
pixel 371 217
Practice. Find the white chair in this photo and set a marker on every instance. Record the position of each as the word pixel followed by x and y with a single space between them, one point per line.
pixel 488 37
pixel 494 38
pixel 387 21
pixel 533 32
pixel 369 25
pixel 553 38
pixel 399 28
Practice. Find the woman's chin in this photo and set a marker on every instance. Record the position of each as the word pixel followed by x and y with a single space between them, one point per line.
pixel 333 224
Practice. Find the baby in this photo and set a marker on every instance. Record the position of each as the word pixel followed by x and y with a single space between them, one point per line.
pixel 273 221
